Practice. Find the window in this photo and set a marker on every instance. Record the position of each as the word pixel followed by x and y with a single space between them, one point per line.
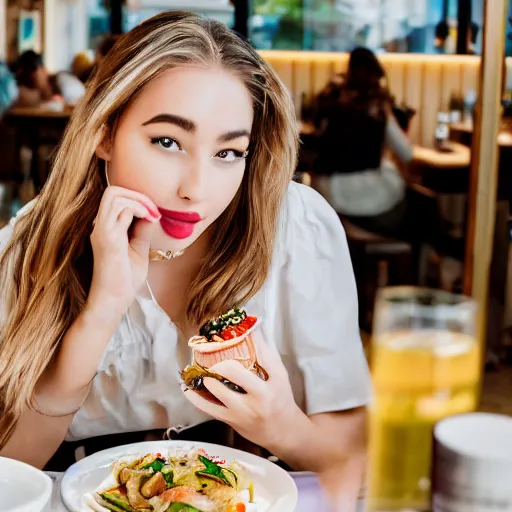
pixel 221 10
pixel 420 26
pixel 134 12
pixel 99 22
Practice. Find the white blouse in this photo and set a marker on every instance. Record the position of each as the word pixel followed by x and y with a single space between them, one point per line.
pixel 308 308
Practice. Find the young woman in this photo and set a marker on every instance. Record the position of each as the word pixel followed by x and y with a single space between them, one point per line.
pixel 353 171
pixel 37 86
pixel 185 141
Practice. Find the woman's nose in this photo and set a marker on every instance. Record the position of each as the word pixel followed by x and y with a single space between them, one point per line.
pixel 192 185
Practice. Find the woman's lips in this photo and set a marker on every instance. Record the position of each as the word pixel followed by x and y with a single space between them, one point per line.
pixel 178 225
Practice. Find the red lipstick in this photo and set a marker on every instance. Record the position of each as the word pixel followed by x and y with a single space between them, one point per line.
pixel 178 225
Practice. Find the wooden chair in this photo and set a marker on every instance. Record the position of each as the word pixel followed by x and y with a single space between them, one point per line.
pixel 378 261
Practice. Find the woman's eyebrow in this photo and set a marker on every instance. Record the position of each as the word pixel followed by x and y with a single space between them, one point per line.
pixel 235 134
pixel 181 122
pixel 190 126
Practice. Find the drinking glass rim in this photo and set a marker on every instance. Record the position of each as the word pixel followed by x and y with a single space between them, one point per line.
pixel 392 294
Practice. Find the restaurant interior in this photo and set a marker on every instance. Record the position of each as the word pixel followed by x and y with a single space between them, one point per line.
pixel 446 68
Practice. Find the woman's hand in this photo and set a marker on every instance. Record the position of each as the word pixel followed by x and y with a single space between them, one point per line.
pixel 120 248
pixel 267 414
pixel 121 258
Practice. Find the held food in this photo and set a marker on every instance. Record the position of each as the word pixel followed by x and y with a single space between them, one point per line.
pixel 190 481
pixel 229 336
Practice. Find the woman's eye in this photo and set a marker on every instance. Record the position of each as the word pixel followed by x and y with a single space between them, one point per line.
pixel 166 143
pixel 231 155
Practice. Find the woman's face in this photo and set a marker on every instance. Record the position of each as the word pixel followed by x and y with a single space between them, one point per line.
pixel 183 143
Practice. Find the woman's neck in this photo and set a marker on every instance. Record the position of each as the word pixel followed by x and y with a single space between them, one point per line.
pixel 169 280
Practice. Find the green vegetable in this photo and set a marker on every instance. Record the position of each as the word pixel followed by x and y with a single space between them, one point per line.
pixel 230 477
pixel 117 499
pixel 156 466
pixel 181 507
pixel 168 474
pixel 231 318
pixel 108 505
pixel 215 472
pixel 216 478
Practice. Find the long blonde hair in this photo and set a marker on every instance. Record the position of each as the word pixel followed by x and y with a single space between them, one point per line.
pixel 46 268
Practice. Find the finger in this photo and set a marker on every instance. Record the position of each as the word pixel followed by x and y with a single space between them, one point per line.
pixel 111 196
pixel 110 213
pixel 236 373
pixel 232 400
pixel 125 219
pixel 113 192
pixel 121 203
pixel 141 237
pixel 218 412
pixel 268 356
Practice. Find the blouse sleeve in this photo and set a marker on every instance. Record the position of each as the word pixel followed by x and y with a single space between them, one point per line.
pixel 7 231
pixel 5 235
pixel 397 140
pixel 321 306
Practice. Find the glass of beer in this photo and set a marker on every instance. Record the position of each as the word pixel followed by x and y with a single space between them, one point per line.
pixel 426 365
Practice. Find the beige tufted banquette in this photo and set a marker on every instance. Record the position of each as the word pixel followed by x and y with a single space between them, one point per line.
pixel 423 82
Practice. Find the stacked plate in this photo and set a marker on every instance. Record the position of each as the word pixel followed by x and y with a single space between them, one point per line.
pixel 23 488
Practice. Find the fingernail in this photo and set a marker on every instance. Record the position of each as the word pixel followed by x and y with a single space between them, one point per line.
pixel 154 212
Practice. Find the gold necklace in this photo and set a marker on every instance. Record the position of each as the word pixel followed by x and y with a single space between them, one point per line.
pixel 159 255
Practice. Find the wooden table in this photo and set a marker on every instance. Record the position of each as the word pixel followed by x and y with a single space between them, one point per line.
pixel 39 113
pixel 446 172
pixel 36 126
pixel 464 133
pixel 457 157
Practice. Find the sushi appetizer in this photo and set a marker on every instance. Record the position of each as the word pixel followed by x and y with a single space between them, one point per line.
pixel 187 482
pixel 228 336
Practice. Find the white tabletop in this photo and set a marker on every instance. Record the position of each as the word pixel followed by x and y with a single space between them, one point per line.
pixel 310 494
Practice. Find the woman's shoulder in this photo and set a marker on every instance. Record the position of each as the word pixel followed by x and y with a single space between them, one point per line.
pixel 7 231
pixel 306 217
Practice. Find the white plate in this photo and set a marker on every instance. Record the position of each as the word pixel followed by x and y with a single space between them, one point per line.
pixel 271 483
pixel 23 488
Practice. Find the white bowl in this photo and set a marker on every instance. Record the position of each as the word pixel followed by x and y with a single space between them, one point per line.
pixel 23 488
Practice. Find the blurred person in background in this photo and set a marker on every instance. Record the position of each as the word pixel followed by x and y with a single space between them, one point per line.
pixel 441 36
pixel 473 31
pixel 102 51
pixel 33 80
pixel 83 67
pixel 8 89
pixel 37 86
pixel 359 141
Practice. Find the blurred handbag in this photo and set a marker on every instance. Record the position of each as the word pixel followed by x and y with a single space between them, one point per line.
pixel 403 115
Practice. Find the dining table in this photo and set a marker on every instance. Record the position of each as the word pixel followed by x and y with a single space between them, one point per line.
pixel 36 126
pixel 463 131
pixel 310 494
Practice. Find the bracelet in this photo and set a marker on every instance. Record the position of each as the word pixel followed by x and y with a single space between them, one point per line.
pixel 34 406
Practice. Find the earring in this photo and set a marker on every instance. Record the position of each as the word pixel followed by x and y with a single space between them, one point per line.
pixel 106 173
